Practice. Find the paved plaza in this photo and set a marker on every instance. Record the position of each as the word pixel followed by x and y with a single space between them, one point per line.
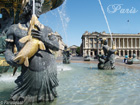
pixel 118 61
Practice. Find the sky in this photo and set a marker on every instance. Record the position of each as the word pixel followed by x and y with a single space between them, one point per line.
pixel 74 17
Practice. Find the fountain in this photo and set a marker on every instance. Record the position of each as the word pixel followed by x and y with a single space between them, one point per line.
pixel 66 56
pixel 134 60
pixel 5 22
pixel 84 84
pixel 106 61
pixel 38 79
pixel 80 83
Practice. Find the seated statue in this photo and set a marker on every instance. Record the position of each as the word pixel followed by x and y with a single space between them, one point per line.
pixel 106 61
pixel 66 56
pixel 37 82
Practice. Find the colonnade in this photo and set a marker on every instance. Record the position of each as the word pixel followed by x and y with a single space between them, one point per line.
pixel 125 45
pixel 125 42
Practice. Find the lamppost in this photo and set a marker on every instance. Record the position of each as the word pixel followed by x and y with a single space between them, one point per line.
pixel 97 38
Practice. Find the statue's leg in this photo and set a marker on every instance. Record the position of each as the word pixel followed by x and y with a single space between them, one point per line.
pixel 113 66
pixel 107 66
pixel 100 65
pixel 36 86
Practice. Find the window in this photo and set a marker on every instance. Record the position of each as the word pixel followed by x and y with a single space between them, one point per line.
pixel 91 39
pixel 100 45
pixel 91 45
pixel 95 45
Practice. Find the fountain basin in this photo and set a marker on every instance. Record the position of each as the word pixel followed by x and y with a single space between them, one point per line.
pixel 84 84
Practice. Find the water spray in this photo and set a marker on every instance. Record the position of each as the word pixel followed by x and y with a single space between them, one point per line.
pixel 33 7
pixel 106 21
pixel 63 20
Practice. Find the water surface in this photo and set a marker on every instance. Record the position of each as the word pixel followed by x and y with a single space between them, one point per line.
pixel 84 84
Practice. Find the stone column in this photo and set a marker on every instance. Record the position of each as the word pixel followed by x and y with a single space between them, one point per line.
pixel 127 43
pixel 128 53
pixel 85 42
pixel 139 42
pixel 84 52
pixel 123 52
pixel 89 52
pixel 108 42
pixel 88 42
pixel 131 42
pixel 139 53
pixel 114 41
pixel 123 43
pixel 93 53
pixel 93 43
pixel 135 42
pixel 119 53
pixel 131 53
pixel 119 42
pixel 136 53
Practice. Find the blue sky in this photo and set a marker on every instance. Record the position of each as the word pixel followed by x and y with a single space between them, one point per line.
pixel 75 17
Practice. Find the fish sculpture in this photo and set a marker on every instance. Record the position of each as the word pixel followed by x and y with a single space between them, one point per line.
pixel 32 45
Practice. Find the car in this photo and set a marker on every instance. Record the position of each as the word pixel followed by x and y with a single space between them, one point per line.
pixel 87 58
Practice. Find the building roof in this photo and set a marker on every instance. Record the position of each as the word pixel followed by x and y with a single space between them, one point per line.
pixel 113 34
pixel 73 46
pixel 57 34
pixel 87 33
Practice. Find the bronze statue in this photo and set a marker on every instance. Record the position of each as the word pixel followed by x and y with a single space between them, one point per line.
pixel 66 56
pixel 38 80
pixel 106 61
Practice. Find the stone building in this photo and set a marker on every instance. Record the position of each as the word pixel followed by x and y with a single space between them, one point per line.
pixel 61 44
pixel 73 49
pixel 125 43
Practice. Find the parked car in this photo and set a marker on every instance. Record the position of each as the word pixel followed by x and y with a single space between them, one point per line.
pixel 87 58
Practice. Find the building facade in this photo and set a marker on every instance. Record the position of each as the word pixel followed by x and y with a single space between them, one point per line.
pixel 126 44
pixel 73 49
pixel 61 43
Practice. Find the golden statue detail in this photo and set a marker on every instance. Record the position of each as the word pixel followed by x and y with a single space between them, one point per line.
pixel 32 45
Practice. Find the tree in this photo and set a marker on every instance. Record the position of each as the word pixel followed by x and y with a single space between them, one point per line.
pixel 78 50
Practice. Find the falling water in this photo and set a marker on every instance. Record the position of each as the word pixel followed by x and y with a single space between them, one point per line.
pixel 33 7
pixel 64 19
pixel 106 21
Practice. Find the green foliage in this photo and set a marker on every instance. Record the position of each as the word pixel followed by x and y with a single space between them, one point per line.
pixel 78 50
